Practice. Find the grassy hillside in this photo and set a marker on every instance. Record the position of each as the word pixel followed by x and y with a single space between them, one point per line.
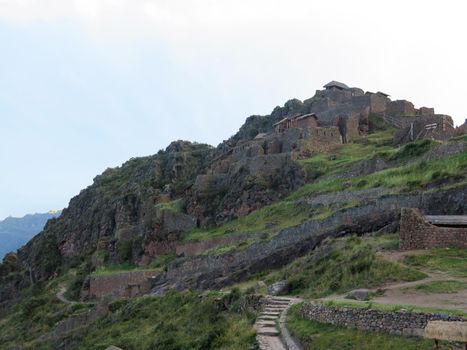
pixel 406 173
pixel 342 265
pixel 186 320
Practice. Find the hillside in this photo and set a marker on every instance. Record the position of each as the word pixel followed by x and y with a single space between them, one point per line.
pixel 283 200
pixel 15 232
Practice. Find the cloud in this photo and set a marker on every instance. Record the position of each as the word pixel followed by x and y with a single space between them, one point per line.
pixel 410 49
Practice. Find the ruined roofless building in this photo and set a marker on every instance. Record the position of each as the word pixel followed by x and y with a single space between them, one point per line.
pixel 309 121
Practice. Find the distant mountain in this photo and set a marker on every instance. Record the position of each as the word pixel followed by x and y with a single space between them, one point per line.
pixel 15 232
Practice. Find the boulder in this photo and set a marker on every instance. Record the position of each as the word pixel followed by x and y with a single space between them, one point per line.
pixel 278 287
pixel 358 294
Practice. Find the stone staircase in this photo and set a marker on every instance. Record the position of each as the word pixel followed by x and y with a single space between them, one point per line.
pixel 270 323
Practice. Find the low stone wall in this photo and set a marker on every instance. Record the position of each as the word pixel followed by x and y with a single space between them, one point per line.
pixel 121 284
pixel 399 322
pixel 195 248
pixel 74 322
pixel 417 233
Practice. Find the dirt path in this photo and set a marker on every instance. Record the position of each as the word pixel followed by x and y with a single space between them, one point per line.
pixel 61 295
pixel 397 294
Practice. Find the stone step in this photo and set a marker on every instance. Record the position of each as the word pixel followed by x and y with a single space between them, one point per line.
pixel 267 318
pixel 275 308
pixel 271 313
pixel 271 331
pixel 278 301
pixel 270 323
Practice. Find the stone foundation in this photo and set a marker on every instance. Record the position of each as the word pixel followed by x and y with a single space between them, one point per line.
pixel 417 233
pixel 121 284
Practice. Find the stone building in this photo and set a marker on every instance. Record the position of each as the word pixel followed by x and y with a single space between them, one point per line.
pixel 304 122
pixel 434 127
pixel 427 232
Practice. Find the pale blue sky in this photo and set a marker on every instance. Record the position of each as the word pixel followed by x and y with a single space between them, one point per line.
pixel 87 84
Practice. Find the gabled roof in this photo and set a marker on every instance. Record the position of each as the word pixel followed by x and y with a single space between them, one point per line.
pixel 336 84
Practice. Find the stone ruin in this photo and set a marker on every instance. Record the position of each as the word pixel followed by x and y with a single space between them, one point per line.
pixel 267 146
pixel 435 231
pixel 347 110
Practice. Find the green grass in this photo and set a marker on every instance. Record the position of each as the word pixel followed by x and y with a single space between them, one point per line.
pixel 114 269
pixel 286 213
pixel 374 145
pixel 384 242
pixel 391 307
pixel 347 264
pixel 405 178
pixel 37 313
pixel 315 335
pixel 450 261
pixel 413 150
pixel 177 205
pixel 177 321
pixel 438 287
pixel 278 215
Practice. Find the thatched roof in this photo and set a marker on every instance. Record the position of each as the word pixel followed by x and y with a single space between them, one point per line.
pixel 444 330
pixel 336 84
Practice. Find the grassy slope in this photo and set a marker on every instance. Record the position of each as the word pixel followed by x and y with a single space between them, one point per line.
pixel 315 335
pixel 350 263
pixel 401 177
pixel 177 321
pixel 449 261
pixel 35 315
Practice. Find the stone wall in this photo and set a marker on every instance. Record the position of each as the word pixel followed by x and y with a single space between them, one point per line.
pixel 74 322
pixel 417 233
pixel 400 322
pixel 195 248
pixel 121 284
pixel 400 108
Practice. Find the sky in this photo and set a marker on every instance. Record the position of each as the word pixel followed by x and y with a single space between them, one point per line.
pixel 87 84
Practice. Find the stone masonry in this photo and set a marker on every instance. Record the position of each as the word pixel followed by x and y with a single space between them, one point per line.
pixel 398 322
pixel 121 284
pixel 417 233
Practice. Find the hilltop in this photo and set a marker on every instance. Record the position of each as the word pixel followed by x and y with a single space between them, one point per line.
pixel 202 218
